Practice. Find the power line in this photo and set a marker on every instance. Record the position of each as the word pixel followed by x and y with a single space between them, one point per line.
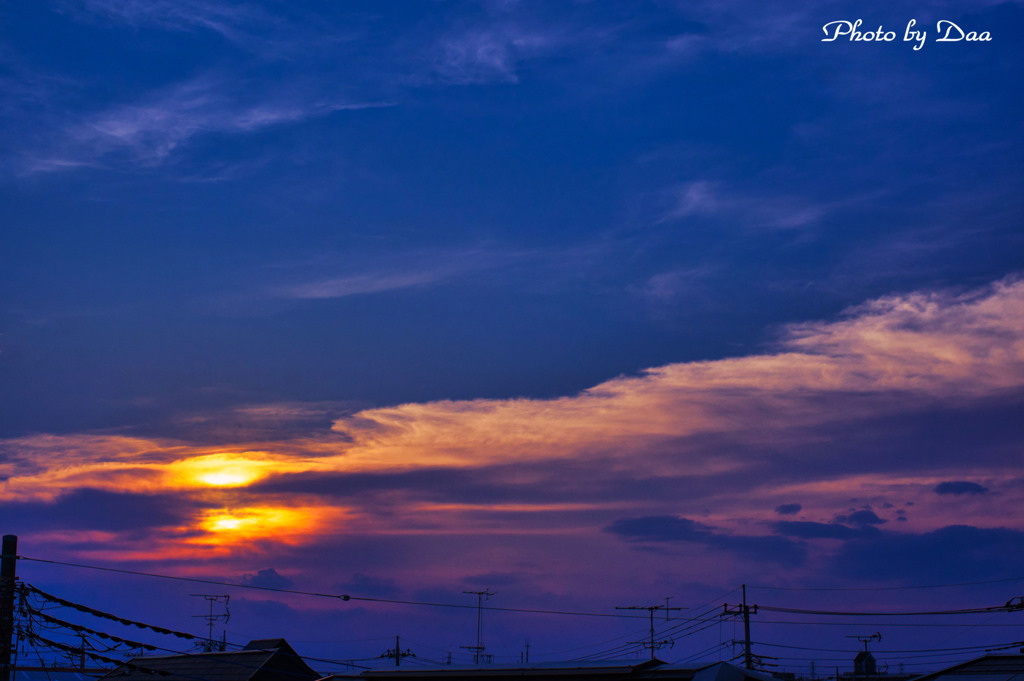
pixel 79 628
pixel 818 623
pixel 343 597
pixel 76 651
pixel 651 643
pixel 686 626
pixel 689 627
pixel 1012 605
pixel 887 588
pixel 61 623
pixel 106 615
pixel 198 580
pixel 890 652
pixel 698 655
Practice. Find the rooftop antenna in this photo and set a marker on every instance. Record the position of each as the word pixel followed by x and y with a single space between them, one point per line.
pixel 877 636
pixel 479 648
pixel 212 645
pixel 651 643
pixel 864 663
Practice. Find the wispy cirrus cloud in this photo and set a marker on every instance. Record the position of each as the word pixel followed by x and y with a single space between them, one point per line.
pixel 368 282
pixel 490 54
pixel 147 132
pixel 285 32
pixel 705 198
pixel 344 275
pixel 246 25
pixel 221 17
pixel 495 44
pixel 476 57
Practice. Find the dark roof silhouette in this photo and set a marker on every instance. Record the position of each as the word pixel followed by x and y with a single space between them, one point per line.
pixel 714 671
pixel 55 674
pixel 987 668
pixel 260 660
pixel 614 670
pixel 269 644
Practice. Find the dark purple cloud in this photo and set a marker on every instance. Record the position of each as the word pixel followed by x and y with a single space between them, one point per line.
pixel 861 518
pixel 367 585
pixel 952 553
pixel 812 530
pixel 667 528
pixel 439 484
pixel 553 481
pixel 269 579
pixel 660 528
pixel 788 509
pixel 959 487
pixel 492 579
pixel 92 509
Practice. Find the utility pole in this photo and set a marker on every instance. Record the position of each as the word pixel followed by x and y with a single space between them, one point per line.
pixel 8 569
pixel 211 645
pixel 651 643
pixel 745 610
pixel 398 653
pixel 479 648
pixel 81 653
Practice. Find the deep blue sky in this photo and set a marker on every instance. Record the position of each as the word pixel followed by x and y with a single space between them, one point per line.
pixel 574 190
pixel 397 240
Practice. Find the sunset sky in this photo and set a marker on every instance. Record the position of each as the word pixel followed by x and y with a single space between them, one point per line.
pixel 588 303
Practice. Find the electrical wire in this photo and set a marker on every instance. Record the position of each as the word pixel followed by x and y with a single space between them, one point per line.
pixel 885 588
pixel 57 623
pixel 1012 605
pixel 343 597
pixel 81 651
pixel 80 629
pixel 105 615
pixel 885 624
pixel 991 646
pixel 687 626
pixel 702 653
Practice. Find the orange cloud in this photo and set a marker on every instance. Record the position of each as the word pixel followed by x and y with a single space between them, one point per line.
pixel 894 355
pixel 909 351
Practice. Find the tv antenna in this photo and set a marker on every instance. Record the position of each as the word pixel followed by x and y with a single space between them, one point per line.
pixel 877 636
pixel 211 645
pixel 651 609
pixel 479 648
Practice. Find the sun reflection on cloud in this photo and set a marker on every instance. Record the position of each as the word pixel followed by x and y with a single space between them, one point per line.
pixel 227 470
pixel 225 527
